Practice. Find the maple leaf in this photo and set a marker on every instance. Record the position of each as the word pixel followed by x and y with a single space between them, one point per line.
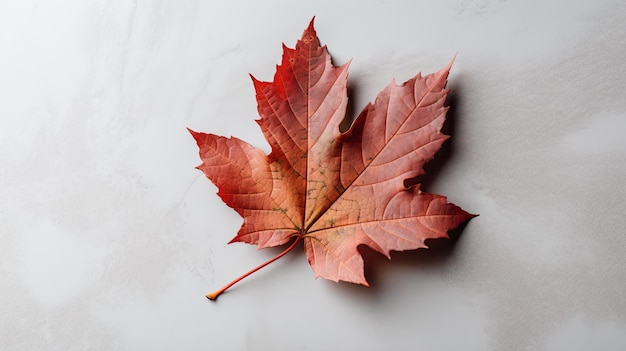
pixel 334 190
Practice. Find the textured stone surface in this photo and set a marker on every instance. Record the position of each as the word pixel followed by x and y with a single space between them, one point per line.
pixel 109 238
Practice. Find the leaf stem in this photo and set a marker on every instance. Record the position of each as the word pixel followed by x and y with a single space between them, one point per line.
pixel 213 296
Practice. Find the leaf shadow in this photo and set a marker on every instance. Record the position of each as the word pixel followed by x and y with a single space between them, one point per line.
pixel 439 253
pixel 353 97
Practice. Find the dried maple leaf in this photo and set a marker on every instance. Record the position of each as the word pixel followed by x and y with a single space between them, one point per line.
pixel 334 190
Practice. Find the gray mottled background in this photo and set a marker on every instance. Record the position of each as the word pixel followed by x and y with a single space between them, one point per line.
pixel 109 238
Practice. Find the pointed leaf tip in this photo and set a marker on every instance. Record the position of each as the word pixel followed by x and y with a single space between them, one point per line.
pixel 309 36
pixel 197 136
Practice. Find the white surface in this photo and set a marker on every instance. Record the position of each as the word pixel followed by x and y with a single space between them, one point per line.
pixel 109 238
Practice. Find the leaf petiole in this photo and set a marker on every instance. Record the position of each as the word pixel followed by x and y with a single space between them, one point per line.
pixel 214 295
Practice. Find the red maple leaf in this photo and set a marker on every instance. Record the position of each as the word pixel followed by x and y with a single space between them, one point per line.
pixel 334 190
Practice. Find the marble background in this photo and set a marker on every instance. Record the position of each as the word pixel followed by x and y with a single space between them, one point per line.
pixel 109 238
